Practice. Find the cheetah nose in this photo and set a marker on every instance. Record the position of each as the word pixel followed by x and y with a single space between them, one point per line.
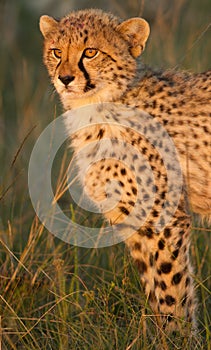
pixel 66 79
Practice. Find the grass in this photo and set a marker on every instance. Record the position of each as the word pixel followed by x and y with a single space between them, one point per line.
pixel 53 295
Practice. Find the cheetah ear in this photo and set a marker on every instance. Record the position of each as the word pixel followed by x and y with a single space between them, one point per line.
pixel 47 25
pixel 136 32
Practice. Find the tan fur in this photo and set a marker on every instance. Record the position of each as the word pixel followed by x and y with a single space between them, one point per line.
pixel 181 103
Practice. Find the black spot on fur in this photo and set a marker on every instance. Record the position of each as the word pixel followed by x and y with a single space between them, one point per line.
pixel 137 246
pixel 170 300
pixel 179 243
pixel 176 278
pixel 134 190
pixel 124 210
pixel 149 232
pixel 100 133
pixel 155 213
pixel 167 232
pixel 163 285
pixel 123 171
pixel 142 267
pixel 151 260
pixel 175 254
pixel 161 244
pixel 166 267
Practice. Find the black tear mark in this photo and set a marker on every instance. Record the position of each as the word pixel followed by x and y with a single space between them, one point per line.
pixel 89 85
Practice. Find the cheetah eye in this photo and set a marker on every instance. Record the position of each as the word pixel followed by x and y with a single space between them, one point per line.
pixel 90 53
pixel 57 53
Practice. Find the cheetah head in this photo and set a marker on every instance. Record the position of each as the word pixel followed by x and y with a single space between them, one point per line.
pixel 91 55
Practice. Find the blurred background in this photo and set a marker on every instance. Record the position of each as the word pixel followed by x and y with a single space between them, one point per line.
pixel 180 37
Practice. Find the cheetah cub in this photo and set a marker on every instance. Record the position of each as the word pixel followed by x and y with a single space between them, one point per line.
pixel 91 57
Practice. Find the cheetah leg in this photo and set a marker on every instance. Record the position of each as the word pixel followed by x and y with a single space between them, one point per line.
pixel 163 261
pixel 173 283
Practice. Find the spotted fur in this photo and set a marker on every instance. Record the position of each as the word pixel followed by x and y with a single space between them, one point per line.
pixel 179 101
